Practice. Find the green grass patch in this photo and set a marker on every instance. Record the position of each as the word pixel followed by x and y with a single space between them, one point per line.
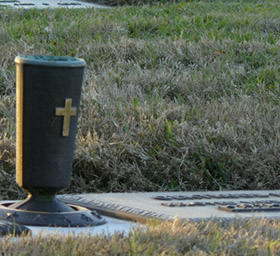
pixel 179 96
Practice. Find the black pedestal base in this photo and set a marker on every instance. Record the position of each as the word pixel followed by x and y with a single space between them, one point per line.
pixel 13 229
pixel 78 217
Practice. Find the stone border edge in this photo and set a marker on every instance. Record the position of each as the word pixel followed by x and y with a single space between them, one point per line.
pixel 115 210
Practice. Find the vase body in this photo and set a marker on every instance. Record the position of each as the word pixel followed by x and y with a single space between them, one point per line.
pixel 48 97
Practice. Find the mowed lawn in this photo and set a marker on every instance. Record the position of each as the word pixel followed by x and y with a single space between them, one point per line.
pixel 178 96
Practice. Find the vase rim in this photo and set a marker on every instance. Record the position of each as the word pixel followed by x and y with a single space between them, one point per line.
pixel 48 60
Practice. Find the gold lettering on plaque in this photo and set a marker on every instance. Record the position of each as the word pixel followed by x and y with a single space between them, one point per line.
pixel 66 112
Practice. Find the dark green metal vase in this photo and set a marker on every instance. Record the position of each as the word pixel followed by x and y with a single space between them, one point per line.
pixel 48 97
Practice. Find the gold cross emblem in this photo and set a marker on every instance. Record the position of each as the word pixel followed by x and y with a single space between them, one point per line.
pixel 66 112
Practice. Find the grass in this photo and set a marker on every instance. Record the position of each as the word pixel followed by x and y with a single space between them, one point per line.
pixel 176 97
pixel 247 237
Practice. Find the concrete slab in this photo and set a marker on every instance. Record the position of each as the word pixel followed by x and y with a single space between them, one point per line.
pixel 113 226
pixel 44 4
pixel 185 205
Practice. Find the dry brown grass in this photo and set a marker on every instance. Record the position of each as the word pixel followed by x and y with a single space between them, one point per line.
pixel 238 237
pixel 176 97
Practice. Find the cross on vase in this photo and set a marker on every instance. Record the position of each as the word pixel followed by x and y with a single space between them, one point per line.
pixel 66 112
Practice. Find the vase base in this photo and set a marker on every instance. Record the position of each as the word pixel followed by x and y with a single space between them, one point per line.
pixel 79 217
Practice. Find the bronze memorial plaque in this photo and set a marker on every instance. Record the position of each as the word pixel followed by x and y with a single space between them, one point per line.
pixel 185 205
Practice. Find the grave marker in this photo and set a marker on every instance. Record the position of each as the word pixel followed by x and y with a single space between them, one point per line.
pixel 141 206
pixel 43 4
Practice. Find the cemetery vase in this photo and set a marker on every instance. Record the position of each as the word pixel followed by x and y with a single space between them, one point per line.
pixel 48 90
pixel 48 97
